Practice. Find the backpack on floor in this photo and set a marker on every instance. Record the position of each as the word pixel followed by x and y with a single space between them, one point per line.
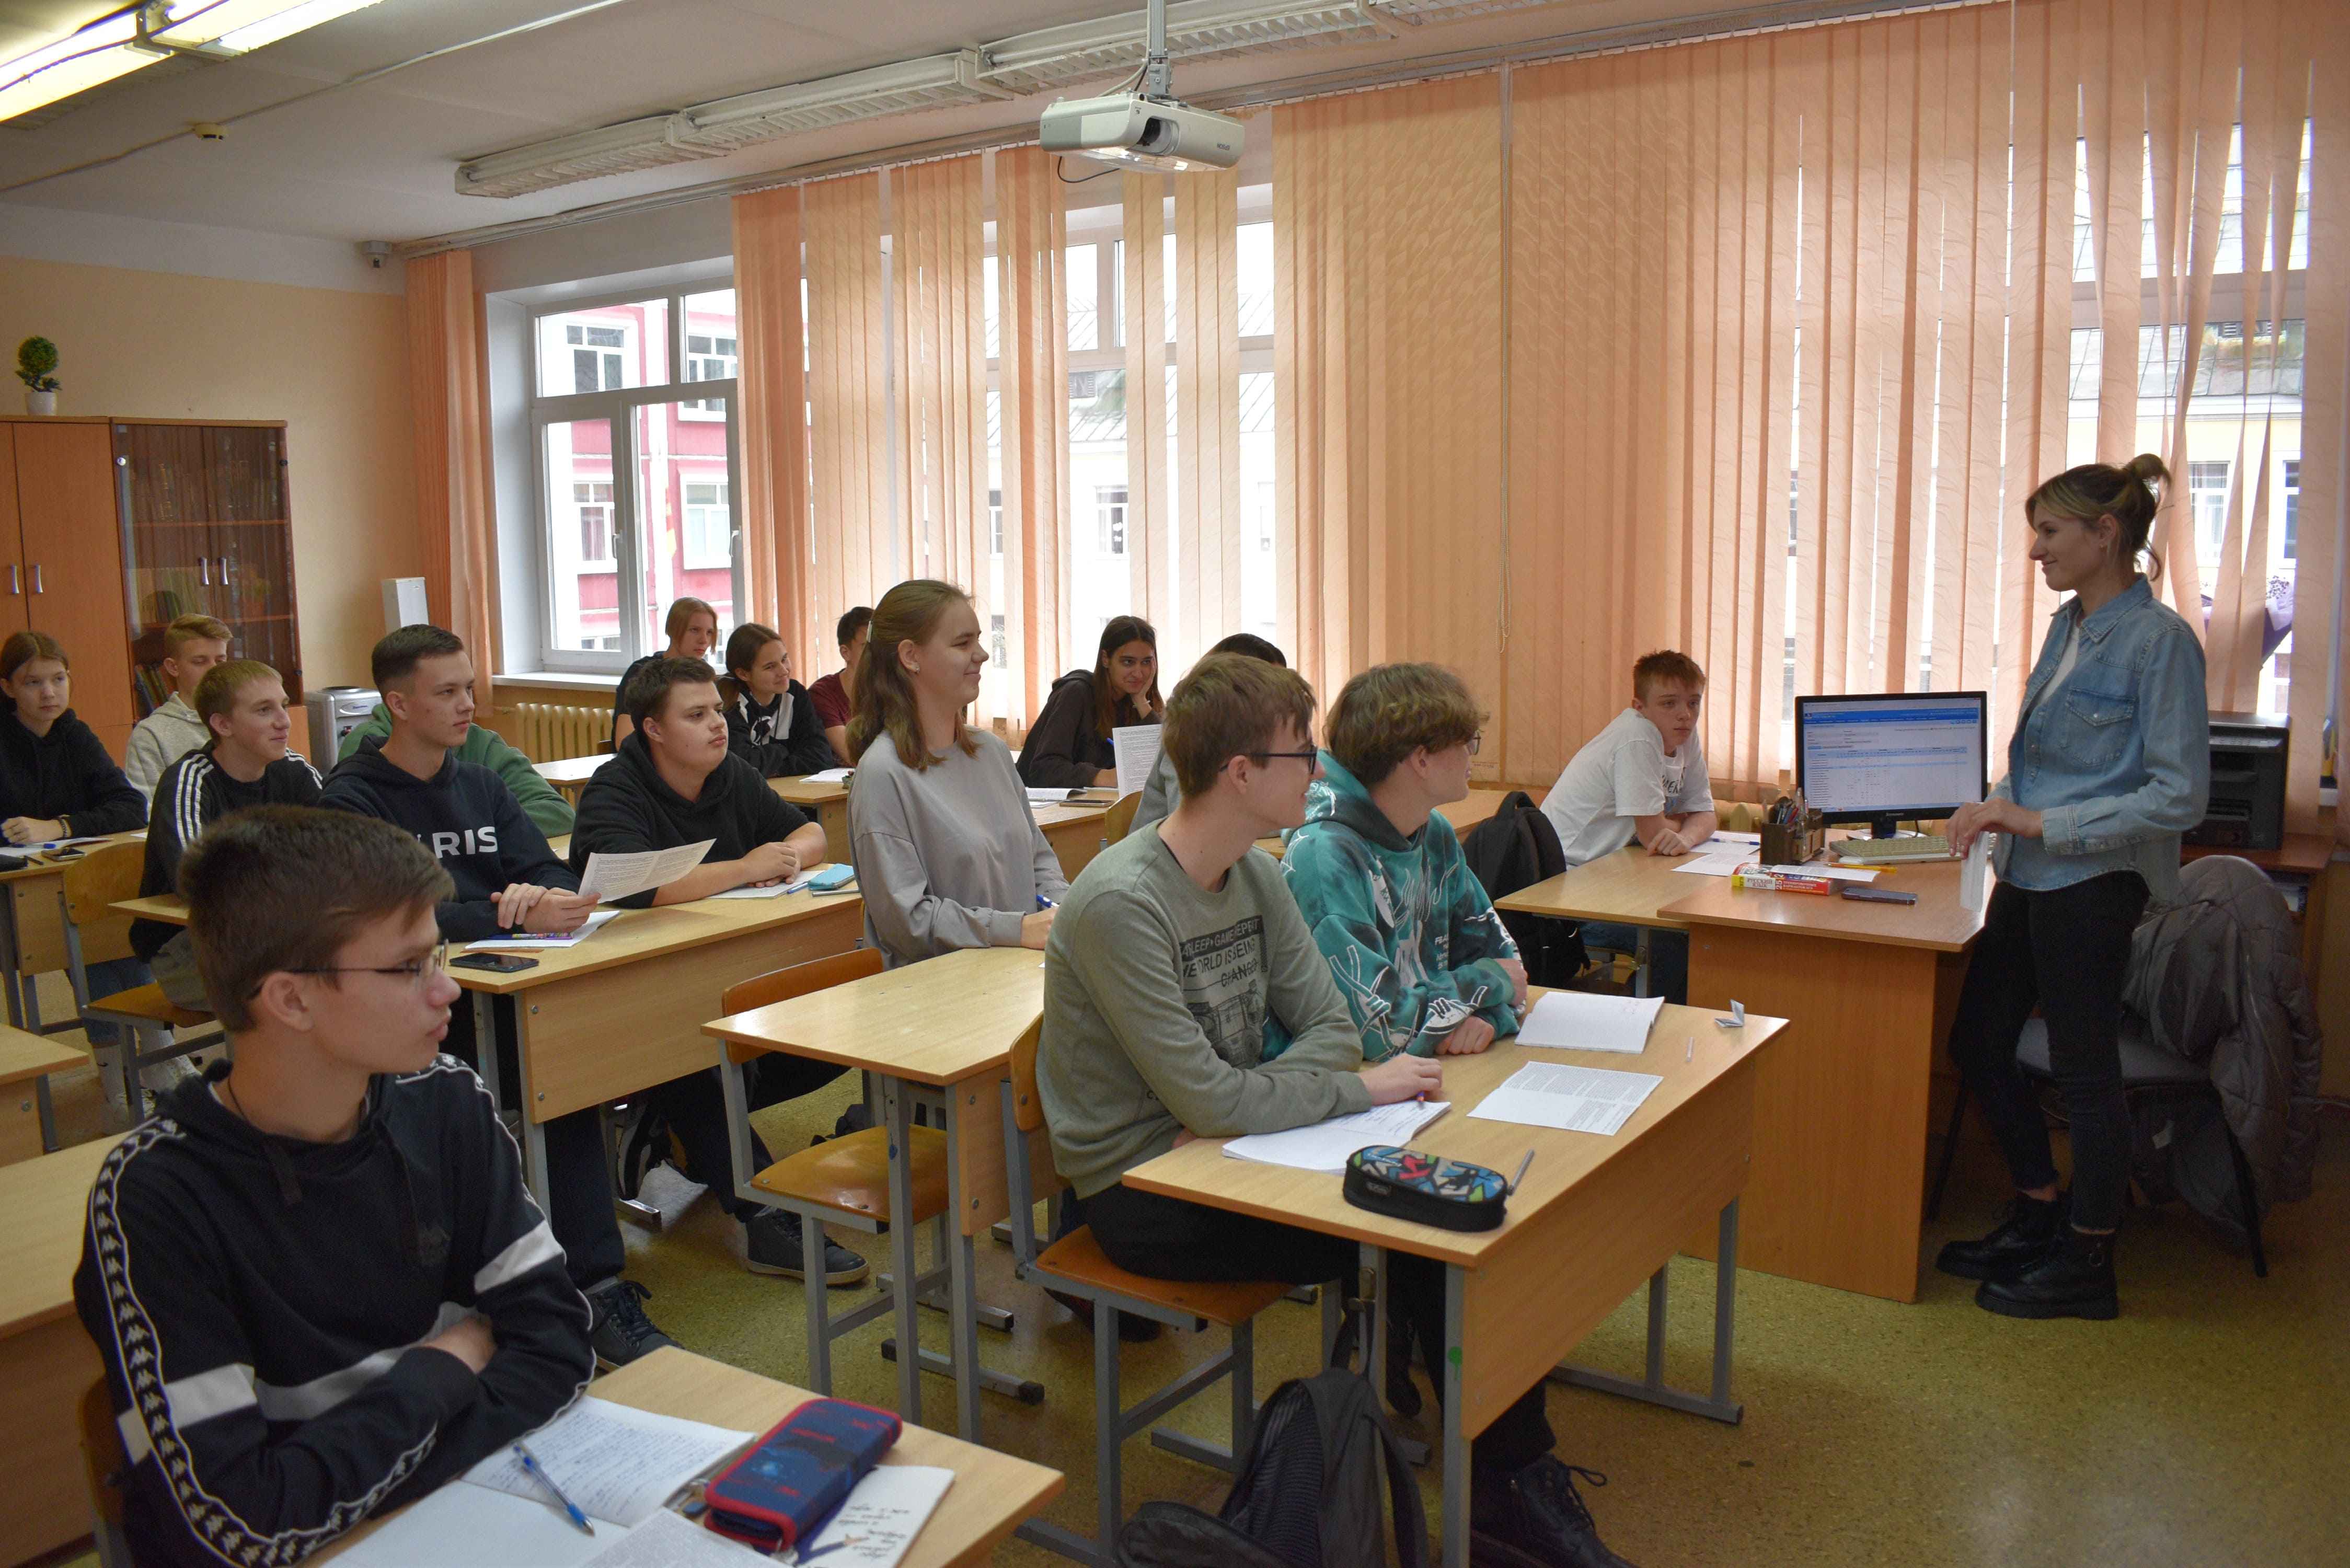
pixel 1513 849
pixel 1307 1496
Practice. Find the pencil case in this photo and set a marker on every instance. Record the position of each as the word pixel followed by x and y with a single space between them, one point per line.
pixel 1451 1194
pixel 782 1491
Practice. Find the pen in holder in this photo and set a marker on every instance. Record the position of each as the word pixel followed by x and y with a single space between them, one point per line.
pixel 1794 843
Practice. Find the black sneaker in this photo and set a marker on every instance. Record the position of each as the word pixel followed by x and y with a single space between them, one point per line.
pixel 1132 1327
pixel 620 1330
pixel 772 1244
pixel 2072 1277
pixel 1535 1518
pixel 2025 1228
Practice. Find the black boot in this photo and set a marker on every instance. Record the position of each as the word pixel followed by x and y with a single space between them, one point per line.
pixel 2074 1277
pixel 1535 1518
pixel 2025 1231
pixel 1403 1394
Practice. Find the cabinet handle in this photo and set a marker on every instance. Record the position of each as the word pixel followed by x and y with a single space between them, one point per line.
pixel 223 571
pixel 16 579
pixel 36 579
pixel 205 562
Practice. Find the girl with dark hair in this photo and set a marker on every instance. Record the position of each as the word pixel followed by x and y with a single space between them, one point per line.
pixel 2109 763
pixel 770 721
pixel 1069 745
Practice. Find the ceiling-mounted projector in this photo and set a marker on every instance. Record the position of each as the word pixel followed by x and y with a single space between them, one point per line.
pixel 1143 127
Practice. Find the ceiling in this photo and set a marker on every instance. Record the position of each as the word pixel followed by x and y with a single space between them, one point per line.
pixel 377 160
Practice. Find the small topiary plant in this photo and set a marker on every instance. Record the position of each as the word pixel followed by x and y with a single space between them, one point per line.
pixel 36 357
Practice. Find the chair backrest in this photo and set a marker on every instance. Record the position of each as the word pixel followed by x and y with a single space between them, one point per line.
pixel 1028 1171
pixel 107 874
pixel 1027 1106
pixel 1118 821
pixel 799 980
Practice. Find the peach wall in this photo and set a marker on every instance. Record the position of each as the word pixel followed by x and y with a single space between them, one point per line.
pixel 331 363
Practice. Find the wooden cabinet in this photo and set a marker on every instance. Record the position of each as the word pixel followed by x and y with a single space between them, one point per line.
pixel 62 562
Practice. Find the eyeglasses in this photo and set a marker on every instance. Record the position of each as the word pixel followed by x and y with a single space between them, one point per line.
pixel 1306 756
pixel 421 972
pixel 1476 741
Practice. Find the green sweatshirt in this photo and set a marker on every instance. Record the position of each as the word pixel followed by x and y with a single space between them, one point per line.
pixel 540 801
pixel 1158 1001
pixel 1410 934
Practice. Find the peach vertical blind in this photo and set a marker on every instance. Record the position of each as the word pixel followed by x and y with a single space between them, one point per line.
pixel 777 547
pixel 2321 662
pixel 938 240
pixel 1387 375
pixel 1208 410
pixel 452 474
pixel 1033 384
pixel 1150 524
pixel 859 547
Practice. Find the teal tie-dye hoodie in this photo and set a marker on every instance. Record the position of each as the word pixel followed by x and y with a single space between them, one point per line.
pixel 1411 937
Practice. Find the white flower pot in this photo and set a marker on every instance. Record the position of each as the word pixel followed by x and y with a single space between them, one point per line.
pixel 40 403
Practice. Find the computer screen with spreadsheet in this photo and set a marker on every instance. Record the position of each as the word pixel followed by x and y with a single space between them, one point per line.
pixel 1890 756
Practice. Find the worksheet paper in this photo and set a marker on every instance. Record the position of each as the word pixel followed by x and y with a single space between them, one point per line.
pixel 1136 747
pixel 467 1526
pixel 1324 1146
pixel 1714 861
pixel 1038 796
pixel 772 890
pixel 526 943
pixel 1974 874
pixel 878 1524
pixel 611 876
pixel 671 1541
pixel 1577 1020
pixel 831 775
pixel 615 1462
pixel 1572 1099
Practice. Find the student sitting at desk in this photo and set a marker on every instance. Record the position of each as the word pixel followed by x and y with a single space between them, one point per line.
pixel 1182 950
pixel 540 801
pixel 691 627
pixel 948 853
pixel 673 781
pixel 771 723
pixel 506 881
pixel 834 696
pixel 1069 745
pixel 1161 792
pixel 242 702
pixel 193 645
pixel 316 1282
pixel 1642 777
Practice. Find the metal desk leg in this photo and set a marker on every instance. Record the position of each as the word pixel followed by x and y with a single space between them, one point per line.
pixel 1640 956
pixel 1457 1476
pixel 907 1285
pixel 534 1131
pixel 962 1284
pixel 1651 1387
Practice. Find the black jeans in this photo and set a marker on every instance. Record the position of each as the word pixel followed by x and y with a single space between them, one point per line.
pixel 1165 1238
pixel 694 1106
pixel 2064 952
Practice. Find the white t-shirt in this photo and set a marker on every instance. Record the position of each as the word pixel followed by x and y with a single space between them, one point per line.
pixel 1620 774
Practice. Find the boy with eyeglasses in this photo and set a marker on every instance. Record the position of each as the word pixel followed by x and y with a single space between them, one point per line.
pixel 316 1282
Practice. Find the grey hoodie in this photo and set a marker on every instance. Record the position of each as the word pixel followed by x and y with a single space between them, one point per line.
pixel 160 739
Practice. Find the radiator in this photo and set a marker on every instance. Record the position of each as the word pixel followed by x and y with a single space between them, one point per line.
pixel 547 733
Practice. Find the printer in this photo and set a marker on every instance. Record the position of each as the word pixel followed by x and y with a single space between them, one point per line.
pixel 2248 763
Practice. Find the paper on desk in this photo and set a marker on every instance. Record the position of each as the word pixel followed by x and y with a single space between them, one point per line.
pixel 669 1541
pixel 462 1526
pixel 1750 840
pixel 615 1462
pixel 878 1523
pixel 1136 747
pixel 1721 862
pixel 1974 874
pixel 1577 1020
pixel 1039 795
pixel 830 775
pixel 611 876
pixel 528 943
pixel 1572 1099
pixel 1324 1146
pixel 772 890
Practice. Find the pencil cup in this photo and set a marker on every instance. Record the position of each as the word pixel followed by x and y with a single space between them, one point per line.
pixel 1788 844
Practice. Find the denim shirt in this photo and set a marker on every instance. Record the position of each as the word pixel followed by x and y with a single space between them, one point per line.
pixel 2117 761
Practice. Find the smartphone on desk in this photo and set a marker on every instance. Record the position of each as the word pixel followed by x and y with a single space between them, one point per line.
pixel 496 963
pixel 1869 895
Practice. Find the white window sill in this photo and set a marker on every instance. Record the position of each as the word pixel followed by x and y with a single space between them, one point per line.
pixel 559 681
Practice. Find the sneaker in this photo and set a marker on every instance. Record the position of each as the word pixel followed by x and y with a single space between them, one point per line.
pixel 772 1244
pixel 2072 1277
pixel 2025 1228
pixel 619 1328
pixel 1132 1328
pixel 1536 1519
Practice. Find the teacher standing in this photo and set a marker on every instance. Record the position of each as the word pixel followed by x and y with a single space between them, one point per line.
pixel 2109 763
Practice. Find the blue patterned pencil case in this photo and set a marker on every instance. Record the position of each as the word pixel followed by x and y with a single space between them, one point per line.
pixel 1449 1193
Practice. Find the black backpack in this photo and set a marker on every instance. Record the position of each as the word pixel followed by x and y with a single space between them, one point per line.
pixel 1307 1496
pixel 1514 848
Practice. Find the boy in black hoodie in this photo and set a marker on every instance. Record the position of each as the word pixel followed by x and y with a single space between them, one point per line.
pixel 416 1318
pixel 673 781
pixel 504 880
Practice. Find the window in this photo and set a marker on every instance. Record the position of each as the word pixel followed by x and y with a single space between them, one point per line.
pixel 2292 511
pixel 996 641
pixel 594 500
pixel 1109 519
pixel 710 349
pixel 2207 492
pixel 995 522
pixel 597 367
pixel 709 528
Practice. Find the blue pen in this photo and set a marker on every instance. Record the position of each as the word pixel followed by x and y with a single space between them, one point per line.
pixel 538 1472
pixel 1044 903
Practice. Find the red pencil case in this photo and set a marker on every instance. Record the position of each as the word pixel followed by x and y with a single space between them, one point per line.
pixel 797 1476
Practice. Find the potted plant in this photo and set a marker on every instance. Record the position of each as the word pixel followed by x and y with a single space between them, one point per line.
pixel 36 359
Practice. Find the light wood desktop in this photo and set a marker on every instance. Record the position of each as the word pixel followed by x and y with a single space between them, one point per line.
pixel 33 932
pixel 1074 831
pixel 826 802
pixel 942 1031
pixel 27 1126
pixel 1464 815
pixel 991 1493
pixel 1628 888
pixel 1594 1218
pixel 46 1361
pixel 570 776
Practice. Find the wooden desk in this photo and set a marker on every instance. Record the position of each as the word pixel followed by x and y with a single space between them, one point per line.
pixel 825 800
pixel 1841 1110
pixel 1595 1217
pixel 1464 815
pixel 46 1361
pixel 1628 887
pixel 27 1124
pixel 943 1029
pixel 991 1493
pixel 33 933
pixel 1075 832
pixel 570 775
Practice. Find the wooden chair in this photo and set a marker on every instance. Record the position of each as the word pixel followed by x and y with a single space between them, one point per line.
pixel 105 1467
pixel 1074 1265
pixel 106 876
pixel 1118 821
pixel 844 1181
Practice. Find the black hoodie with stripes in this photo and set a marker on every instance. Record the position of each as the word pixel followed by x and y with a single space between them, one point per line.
pixel 261 1305
pixel 194 793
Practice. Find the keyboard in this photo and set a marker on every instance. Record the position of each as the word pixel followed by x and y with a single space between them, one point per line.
pixel 1924 846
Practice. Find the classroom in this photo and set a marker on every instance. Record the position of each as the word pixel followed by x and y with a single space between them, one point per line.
pixel 938 784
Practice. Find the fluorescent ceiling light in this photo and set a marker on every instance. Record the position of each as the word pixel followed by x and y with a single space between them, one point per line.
pixel 141 35
pixel 1418 11
pixel 583 155
pixel 70 65
pixel 240 26
pixel 755 116
pixel 1055 56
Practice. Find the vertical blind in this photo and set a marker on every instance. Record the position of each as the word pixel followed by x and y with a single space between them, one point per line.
pixel 772 386
pixel 938 286
pixel 1033 381
pixel 449 410
pixel 858 550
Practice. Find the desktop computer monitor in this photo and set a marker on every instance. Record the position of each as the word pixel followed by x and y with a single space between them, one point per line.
pixel 1885 757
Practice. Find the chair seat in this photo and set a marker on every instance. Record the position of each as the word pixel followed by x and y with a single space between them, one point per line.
pixel 851 1174
pixel 146 1004
pixel 1078 1259
pixel 2145 1064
